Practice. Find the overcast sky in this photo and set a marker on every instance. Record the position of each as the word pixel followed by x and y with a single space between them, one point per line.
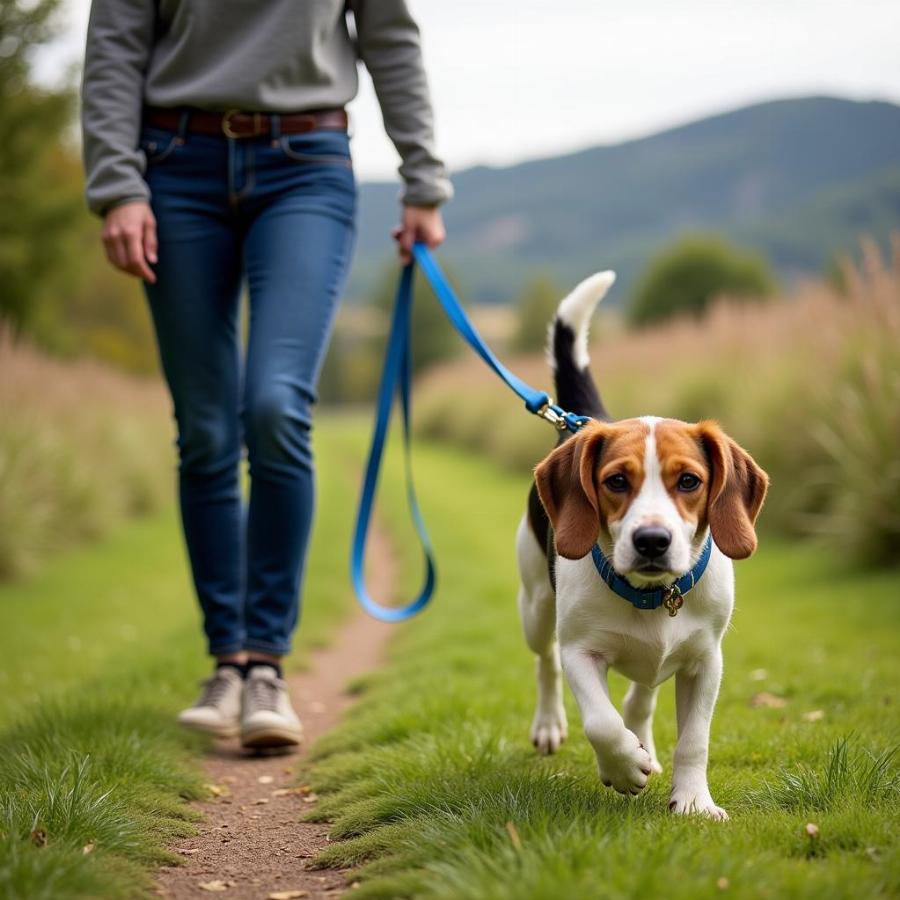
pixel 516 79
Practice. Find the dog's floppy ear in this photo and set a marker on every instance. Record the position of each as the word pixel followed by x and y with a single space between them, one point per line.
pixel 736 492
pixel 565 483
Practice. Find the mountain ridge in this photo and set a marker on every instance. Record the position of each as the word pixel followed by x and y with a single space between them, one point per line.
pixel 742 173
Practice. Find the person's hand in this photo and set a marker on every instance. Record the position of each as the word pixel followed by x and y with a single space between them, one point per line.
pixel 419 223
pixel 129 236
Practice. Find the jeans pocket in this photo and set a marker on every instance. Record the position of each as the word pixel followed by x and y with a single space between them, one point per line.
pixel 320 147
pixel 158 144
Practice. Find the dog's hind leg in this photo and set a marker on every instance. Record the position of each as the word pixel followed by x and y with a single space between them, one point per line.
pixel 637 711
pixel 537 607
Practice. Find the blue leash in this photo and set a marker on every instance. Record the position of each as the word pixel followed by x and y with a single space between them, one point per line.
pixel 396 378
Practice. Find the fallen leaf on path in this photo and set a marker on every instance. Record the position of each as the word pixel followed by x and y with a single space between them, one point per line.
pixel 186 851
pixel 287 895
pixel 765 700
pixel 814 715
pixel 260 801
pixel 217 790
pixel 310 797
pixel 265 779
pixel 214 887
pixel 283 792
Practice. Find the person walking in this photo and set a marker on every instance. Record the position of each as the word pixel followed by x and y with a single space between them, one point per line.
pixel 216 150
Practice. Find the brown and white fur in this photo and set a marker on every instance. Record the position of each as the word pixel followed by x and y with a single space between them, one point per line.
pixel 649 490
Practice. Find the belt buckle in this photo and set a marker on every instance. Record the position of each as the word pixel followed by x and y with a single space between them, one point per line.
pixel 229 131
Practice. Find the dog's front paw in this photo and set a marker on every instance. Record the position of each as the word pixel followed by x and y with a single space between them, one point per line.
pixel 549 729
pixel 626 766
pixel 689 801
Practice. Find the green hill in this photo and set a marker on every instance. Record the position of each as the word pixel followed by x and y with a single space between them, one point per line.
pixel 797 179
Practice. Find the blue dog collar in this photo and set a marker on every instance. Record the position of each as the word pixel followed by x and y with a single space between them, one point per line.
pixel 652 598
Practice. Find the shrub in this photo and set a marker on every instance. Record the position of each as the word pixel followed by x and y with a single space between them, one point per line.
pixel 535 308
pixel 81 448
pixel 688 276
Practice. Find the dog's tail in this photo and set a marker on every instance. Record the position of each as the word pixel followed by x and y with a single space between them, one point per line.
pixel 567 347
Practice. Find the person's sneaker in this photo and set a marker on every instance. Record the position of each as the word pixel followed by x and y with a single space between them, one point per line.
pixel 267 718
pixel 218 710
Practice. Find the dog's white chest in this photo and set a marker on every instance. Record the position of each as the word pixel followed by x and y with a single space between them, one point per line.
pixel 652 650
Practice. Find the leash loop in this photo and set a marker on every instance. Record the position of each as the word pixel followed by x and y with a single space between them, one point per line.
pixel 396 379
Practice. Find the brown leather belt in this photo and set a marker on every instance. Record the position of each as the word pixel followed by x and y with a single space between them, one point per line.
pixel 237 124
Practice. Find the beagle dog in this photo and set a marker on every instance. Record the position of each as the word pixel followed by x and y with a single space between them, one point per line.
pixel 625 563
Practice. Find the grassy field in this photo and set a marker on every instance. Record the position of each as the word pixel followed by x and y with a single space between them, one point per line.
pixel 97 652
pixel 432 783
pixel 433 786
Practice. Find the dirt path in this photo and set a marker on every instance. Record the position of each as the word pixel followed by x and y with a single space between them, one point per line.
pixel 252 844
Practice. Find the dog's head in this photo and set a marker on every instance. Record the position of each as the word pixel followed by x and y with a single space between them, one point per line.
pixel 648 488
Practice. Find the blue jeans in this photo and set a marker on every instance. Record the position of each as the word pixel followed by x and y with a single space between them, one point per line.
pixel 277 212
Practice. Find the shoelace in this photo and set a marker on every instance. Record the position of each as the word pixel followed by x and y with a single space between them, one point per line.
pixel 264 694
pixel 214 689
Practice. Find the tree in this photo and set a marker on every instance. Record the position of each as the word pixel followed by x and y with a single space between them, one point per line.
pixel 536 309
pixel 37 203
pixel 687 276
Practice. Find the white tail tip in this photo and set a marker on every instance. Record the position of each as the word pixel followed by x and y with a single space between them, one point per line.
pixel 576 310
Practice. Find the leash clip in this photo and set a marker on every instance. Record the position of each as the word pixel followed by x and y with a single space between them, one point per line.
pixel 549 413
pixel 673 599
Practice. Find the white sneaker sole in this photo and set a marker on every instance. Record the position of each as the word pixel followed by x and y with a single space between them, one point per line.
pixel 271 736
pixel 223 730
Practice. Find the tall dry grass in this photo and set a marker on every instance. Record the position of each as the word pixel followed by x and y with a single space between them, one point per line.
pixel 808 382
pixel 81 448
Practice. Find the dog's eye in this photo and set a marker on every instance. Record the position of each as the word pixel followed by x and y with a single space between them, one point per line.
pixel 617 483
pixel 688 482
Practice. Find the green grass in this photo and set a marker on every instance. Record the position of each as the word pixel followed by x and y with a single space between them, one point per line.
pixel 97 652
pixel 102 646
pixel 433 787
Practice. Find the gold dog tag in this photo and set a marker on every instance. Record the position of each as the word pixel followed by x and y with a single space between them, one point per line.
pixel 673 600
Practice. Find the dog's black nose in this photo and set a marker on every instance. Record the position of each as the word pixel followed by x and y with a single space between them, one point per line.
pixel 651 541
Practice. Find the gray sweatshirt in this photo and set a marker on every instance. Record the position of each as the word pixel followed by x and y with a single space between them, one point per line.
pixel 257 55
